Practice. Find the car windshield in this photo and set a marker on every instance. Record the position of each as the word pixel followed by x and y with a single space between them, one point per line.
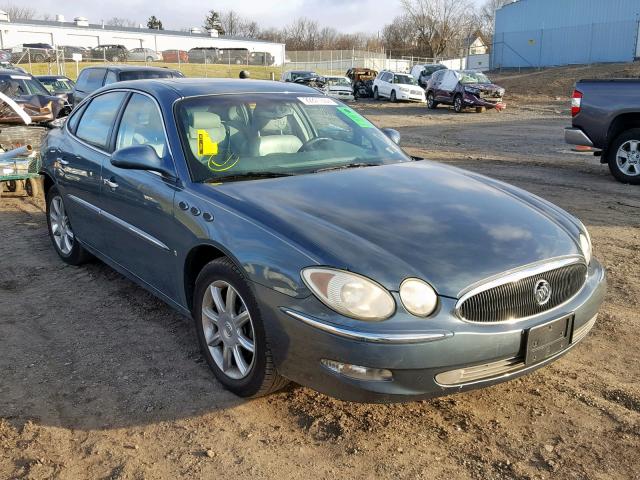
pixel 404 79
pixel 297 75
pixel 232 137
pixel 142 74
pixel 338 82
pixel 57 84
pixel 15 85
pixel 473 77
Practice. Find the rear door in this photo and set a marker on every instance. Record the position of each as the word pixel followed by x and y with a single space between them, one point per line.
pixel 90 80
pixel 79 164
pixel 138 205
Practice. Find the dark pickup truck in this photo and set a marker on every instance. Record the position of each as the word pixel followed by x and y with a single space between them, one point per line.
pixel 606 116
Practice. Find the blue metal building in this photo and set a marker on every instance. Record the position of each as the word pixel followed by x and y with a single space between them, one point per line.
pixel 543 33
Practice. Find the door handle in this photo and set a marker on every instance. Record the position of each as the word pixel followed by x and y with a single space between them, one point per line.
pixel 112 185
pixel 62 162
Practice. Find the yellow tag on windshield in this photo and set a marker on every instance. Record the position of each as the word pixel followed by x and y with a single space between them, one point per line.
pixel 206 146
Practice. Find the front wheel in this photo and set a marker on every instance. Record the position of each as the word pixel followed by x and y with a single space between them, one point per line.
pixel 60 231
pixel 393 98
pixel 376 95
pixel 431 101
pixel 231 333
pixel 457 104
pixel 624 157
pixel 149 59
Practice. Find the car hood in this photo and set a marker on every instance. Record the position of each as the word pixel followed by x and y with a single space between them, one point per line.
pixel 489 87
pixel 419 219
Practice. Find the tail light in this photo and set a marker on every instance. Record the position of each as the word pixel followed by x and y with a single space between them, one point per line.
pixel 576 103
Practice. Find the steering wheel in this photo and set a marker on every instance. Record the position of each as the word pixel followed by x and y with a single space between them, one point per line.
pixel 310 144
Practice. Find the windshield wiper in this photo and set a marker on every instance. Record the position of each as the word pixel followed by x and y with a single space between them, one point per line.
pixel 348 165
pixel 249 176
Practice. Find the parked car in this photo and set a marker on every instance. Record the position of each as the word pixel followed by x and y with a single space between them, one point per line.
pixel 422 73
pixel 143 55
pixel 237 56
pixel 338 87
pixel 261 58
pixel 69 50
pixel 397 86
pixel 5 62
pixel 203 55
pixel 93 78
pixel 293 75
pixel 464 89
pixel 606 116
pixel 32 52
pixel 362 81
pixel 31 95
pixel 110 53
pixel 175 56
pixel 307 246
pixel 59 86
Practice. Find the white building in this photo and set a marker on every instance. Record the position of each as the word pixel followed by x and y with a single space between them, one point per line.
pixel 81 33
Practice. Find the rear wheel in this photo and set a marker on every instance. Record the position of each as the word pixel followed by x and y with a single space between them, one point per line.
pixel 149 59
pixel 393 97
pixel 38 58
pixel 231 333
pixel 431 101
pixel 60 231
pixel 457 104
pixel 624 157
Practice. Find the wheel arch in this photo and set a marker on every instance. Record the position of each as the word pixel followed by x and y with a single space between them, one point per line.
pixel 47 181
pixel 622 123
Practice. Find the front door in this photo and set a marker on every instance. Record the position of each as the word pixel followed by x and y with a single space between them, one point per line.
pixel 138 204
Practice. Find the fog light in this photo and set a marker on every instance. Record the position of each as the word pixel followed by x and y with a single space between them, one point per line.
pixel 357 372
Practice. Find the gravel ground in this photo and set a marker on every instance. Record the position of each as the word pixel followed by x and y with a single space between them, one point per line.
pixel 99 379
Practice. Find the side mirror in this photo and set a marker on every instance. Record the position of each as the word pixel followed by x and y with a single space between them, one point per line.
pixel 140 157
pixel 393 135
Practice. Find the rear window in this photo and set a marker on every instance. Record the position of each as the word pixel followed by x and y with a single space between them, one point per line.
pixel 142 74
pixel 98 118
pixel 90 79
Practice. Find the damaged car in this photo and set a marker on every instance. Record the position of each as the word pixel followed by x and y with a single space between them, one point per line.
pixel 338 87
pixel 362 81
pixel 60 86
pixel 464 89
pixel 32 97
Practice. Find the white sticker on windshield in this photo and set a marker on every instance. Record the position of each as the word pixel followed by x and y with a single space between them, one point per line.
pixel 317 101
pixel 20 77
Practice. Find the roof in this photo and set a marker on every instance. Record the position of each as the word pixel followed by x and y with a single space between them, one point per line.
pixel 50 77
pixel 190 87
pixel 132 68
pixel 9 71
pixel 50 23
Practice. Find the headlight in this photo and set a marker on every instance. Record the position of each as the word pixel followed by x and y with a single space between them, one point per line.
pixel 404 89
pixel 471 90
pixel 585 245
pixel 418 297
pixel 350 294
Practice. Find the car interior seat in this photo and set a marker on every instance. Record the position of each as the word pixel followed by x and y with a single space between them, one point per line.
pixel 273 131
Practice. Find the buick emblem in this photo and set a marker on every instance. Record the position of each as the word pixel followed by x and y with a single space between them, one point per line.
pixel 542 292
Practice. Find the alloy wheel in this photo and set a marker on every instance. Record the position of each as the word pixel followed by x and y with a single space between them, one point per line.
pixel 628 158
pixel 457 104
pixel 228 330
pixel 60 227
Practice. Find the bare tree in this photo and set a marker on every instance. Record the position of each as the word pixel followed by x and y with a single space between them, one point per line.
pixel 18 12
pixel 487 15
pixel 120 22
pixel 437 23
pixel 231 22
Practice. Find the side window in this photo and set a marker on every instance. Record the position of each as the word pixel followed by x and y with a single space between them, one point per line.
pixel 72 122
pixel 112 77
pixel 388 77
pixel 141 124
pixel 90 79
pixel 98 117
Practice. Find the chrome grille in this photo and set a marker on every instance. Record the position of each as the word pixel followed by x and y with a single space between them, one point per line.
pixel 514 300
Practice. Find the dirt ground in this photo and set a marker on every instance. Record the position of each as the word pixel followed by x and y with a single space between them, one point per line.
pixel 100 380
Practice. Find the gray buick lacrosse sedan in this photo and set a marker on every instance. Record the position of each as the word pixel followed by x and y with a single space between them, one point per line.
pixel 307 246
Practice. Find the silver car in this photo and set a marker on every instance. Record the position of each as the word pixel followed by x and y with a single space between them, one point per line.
pixel 144 55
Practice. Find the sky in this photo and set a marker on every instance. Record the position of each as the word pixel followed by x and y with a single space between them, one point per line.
pixel 344 15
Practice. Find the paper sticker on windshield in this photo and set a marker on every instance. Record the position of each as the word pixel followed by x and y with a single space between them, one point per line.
pixel 355 117
pixel 206 146
pixel 317 101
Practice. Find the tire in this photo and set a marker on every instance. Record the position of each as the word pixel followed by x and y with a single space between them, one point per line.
pixel 75 255
pixel 376 95
pixel 623 157
pixel 246 374
pixel 33 187
pixel 12 185
pixel 431 101
pixel 149 59
pixel 392 97
pixel 38 58
pixel 458 104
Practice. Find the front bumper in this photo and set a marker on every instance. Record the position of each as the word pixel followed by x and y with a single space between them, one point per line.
pixel 410 97
pixel 471 100
pixel 302 334
pixel 575 136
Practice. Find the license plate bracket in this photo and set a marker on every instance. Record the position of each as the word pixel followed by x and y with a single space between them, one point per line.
pixel 546 340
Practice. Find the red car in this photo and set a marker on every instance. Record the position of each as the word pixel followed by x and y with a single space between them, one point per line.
pixel 175 56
